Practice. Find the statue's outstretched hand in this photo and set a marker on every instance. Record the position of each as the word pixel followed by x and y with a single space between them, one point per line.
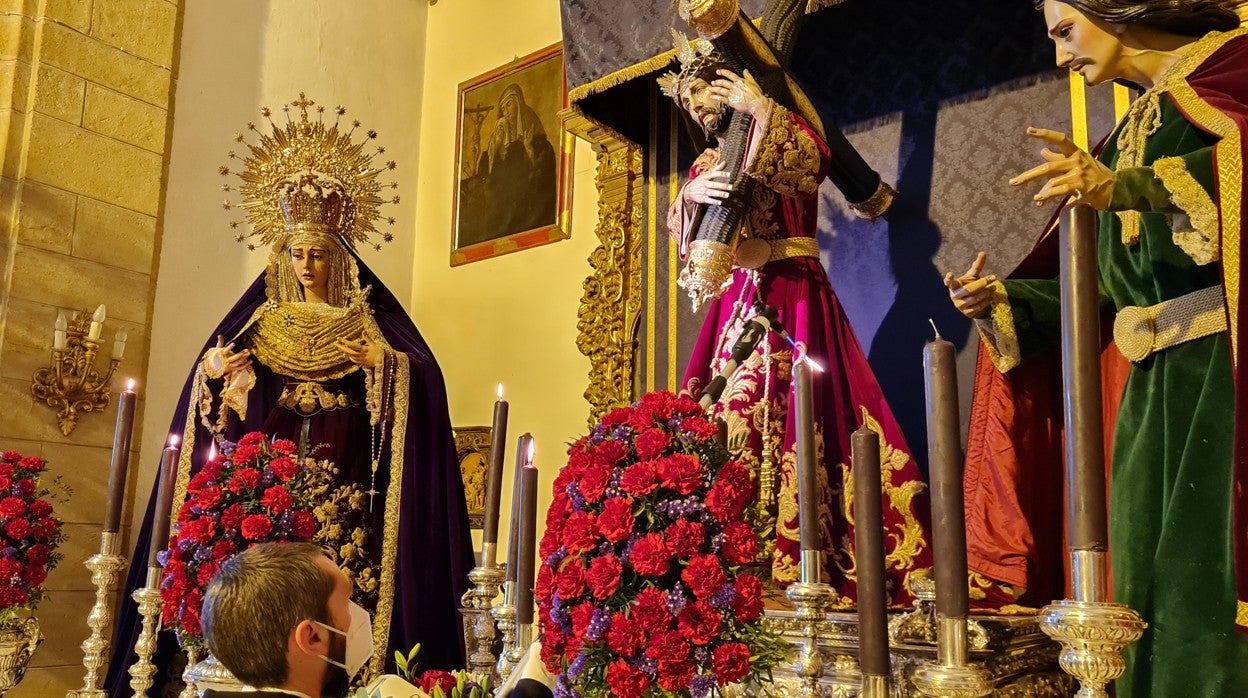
pixel 971 294
pixel 231 360
pixel 1071 171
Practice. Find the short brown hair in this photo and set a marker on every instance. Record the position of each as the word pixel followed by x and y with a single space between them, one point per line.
pixel 256 599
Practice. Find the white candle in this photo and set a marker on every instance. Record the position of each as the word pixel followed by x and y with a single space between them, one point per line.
pixel 58 337
pixel 119 344
pixel 97 324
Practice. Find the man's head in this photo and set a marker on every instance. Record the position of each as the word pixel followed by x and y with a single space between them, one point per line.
pixel 689 86
pixel 276 615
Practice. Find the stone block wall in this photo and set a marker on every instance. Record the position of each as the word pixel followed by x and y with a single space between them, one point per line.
pixel 85 92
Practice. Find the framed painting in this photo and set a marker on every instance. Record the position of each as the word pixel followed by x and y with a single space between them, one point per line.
pixel 472 450
pixel 513 159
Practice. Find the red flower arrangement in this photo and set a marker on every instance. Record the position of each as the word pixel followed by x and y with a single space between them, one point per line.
pixel 251 492
pixel 29 533
pixel 644 589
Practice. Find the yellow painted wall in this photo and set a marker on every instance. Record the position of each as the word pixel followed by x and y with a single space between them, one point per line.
pixel 511 318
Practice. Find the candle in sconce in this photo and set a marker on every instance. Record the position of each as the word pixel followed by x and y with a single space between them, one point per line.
pixel 58 336
pixel 523 447
pixel 527 556
pixel 164 501
pixel 122 435
pixel 119 344
pixel 97 324
pixel 807 480
pixel 944 449
pixel 494 482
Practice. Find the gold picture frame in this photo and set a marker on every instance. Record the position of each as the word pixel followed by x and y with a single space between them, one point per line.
pixel 472 452
pixel 513 159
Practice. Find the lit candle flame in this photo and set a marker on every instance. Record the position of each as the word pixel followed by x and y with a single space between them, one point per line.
pixel 130 385
pixel 500 391
pixel 173 441
pixel 212 450
pixel 528 461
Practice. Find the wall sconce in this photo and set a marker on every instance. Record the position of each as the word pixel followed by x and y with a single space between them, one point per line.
pixel 71 382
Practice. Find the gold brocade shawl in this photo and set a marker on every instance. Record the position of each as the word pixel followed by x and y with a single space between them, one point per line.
pixel 297 339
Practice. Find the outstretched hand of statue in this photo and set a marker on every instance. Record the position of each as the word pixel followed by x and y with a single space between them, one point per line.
pixel 1071 171
pixel 972 294
pixel 230 360
pixel 741 92
pixel 361 352
pixel 710 187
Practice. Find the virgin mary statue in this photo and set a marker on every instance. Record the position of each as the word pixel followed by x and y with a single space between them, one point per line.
pixel 319 352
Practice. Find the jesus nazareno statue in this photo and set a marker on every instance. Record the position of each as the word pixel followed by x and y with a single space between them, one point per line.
pixel 318 351
pixel 777 264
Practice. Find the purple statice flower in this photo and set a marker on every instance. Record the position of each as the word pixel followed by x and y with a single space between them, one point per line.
pixel 674 423
pixel 9 552
pixel 598 624
pixel 700 686
pixel 559 614
pixel 605 548
pixel 702 655
pixel 163 558
pixel 676 599
pixel 574 493
pixel 578 665
pixel 724 597
pixel 186 544
pixel 563 688
pixel 598 436
pixel 646 664
pixel 717 543
pixel 628 547
pixel 620 433
pixel 267 479
pixel 689 507
pixel 203 554
pixel 556 558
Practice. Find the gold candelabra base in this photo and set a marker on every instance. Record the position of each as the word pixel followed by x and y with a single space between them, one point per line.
pixel 813 599
pixel 1092 635
pixel 105 567
pixel 475 606
pixel 148 600
pixel 504 615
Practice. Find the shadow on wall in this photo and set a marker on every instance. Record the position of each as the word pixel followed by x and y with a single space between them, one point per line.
pixel 936 96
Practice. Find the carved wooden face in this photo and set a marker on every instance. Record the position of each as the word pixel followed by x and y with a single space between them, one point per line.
pixel 707 112
pixel 311 265
pixel 1086 45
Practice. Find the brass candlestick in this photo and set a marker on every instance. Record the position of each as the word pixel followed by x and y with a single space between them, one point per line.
pixel 478 624
pixel 813 599
pixel 105 567
pixel 951 675
pixel 1091 631
pixel 148 599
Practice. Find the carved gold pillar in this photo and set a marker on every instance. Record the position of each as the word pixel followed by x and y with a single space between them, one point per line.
pixel 607 319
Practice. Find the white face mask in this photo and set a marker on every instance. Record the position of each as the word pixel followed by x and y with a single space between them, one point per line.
pixel 359 640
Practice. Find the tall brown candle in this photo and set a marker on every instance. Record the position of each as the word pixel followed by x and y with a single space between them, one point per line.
pixel 944 453
pixel 523 446
pixel 807 483
pixel 1081 380
pixel 869 541
pixel 164 501
pixel 528 541
pixel 494 482
pixel 122 435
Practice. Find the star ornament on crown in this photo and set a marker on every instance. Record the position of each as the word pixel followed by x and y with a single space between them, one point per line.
pixel 308 174
pixel 694 56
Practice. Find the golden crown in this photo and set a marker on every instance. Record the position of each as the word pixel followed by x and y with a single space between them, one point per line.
pixel 694 57
pixel 309 173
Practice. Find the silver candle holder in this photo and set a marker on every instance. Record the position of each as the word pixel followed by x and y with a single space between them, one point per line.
pixel 476 604
pixel 148 599
pixel 504 615
pixel 812 599
pixel 105 567
pixel 951 675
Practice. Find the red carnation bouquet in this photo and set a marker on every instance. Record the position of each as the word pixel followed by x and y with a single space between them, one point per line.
pixel 644 588
pixel 251 492
pixel 29 534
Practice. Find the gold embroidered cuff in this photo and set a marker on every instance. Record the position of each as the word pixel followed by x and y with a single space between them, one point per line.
pixel 877 204
pixel 998 333
pixel 1200 240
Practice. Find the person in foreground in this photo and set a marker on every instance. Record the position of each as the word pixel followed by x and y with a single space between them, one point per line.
pixel 280 618
pixel 1168 183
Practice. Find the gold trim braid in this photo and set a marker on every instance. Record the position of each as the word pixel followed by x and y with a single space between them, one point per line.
pixel 390 531
pixel 1200 242
pixel 998 333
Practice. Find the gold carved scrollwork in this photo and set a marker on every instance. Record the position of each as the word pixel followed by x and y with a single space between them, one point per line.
pixel 607 318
